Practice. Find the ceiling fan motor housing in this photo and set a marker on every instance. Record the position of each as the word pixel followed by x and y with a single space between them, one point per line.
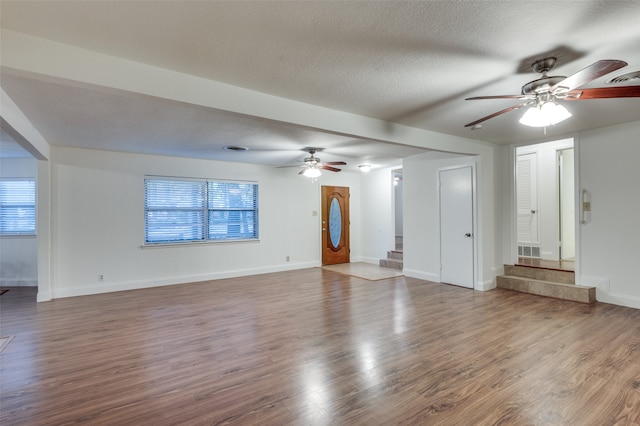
pixel 545 83
pixel 541 85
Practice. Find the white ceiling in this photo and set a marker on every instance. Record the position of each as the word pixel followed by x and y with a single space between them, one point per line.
pixel 411 63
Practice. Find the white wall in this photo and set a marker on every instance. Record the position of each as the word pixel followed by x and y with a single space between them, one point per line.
pixel 421 226
pixel 19 255
pixel 609 246
pixel 98 223
pixel 547 193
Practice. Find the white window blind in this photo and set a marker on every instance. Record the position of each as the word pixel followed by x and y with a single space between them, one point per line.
pixel 17 206
pixel 183 210
pixel 232 210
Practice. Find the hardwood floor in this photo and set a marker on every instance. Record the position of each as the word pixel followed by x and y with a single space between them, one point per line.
pixel 315 347
pixel 558 265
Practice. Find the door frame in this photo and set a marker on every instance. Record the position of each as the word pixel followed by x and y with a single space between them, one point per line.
pixel 561 201
pixel 345 213
pixel 535 240
pixel 477 285
pixel 511 256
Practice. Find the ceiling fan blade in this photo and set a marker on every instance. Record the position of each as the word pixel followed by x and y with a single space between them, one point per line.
pixel 501 97
pixel 283 167
pixel 332 169
pixel 336 163
pixel 495 114
pixel 588 74
pixel 604 93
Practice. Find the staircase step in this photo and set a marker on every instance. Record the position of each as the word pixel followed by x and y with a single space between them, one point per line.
pixel 392 264
pixel 553 275
pixel 557 290
pixel 395 255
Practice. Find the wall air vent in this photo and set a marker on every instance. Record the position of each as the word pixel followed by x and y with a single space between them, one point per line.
pixel 633 75
pixel 529 251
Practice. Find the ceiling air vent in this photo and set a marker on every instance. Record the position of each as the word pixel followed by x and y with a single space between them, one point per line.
pixel 633 75
pixel 236 148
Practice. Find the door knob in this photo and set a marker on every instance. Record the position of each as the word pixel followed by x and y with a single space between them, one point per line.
pixel 533 211
pixel 468 235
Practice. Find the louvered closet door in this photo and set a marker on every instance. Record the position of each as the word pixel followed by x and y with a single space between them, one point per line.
pixel 527 199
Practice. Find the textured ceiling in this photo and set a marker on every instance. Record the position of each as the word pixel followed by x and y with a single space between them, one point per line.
pixel 411 63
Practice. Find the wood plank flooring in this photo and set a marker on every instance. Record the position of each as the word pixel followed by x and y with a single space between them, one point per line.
pixel 558 265
pixel 315 347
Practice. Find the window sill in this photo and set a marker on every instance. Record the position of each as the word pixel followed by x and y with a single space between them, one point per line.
pixel 195 243
pixel 18 236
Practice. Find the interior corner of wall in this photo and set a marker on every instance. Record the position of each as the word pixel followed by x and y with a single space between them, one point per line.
pixel 485 285
pixel 497 270
pixel 43 296
pixel 600 283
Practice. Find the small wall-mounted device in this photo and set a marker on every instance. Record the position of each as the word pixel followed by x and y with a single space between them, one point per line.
pixel 585 207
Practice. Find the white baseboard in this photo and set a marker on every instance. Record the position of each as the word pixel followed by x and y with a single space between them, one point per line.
pixel 428 276
pixel 604 293
pixel 485 285
pixel 43 296
pixel 600 283
pixel 618 299
pixel 140 284
pixel 421 275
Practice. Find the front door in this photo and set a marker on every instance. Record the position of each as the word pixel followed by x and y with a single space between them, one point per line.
pixel 335 225
pixel 456 226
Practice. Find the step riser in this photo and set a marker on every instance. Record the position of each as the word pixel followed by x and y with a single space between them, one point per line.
pixel 395 255
pixel 392 264
pixel 565 277
pixel 549 289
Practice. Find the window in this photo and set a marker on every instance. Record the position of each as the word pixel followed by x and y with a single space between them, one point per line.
pixel 17 206
pixel 191 210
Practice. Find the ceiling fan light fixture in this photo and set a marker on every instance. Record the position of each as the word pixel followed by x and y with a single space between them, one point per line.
pixel 533 118
pixel 555 112
pixel 365 168
pixel 548 114
pixel 312 172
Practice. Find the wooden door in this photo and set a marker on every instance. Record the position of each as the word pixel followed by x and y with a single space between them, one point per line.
pixel 335 225
pixel 456 226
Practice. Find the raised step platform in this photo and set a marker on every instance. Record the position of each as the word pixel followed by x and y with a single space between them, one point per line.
pixel 543 274
pixel 545 282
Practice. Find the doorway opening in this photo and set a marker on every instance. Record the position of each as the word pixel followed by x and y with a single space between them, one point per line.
pixel 397 203
pixel 545 201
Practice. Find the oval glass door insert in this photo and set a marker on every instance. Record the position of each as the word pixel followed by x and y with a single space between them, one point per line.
pixel 335 223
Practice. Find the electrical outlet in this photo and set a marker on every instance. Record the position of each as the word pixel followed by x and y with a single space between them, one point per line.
pixel 288 258
pixel 100 277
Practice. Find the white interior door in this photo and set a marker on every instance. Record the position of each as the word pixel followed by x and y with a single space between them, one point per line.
pixel 456 226
pixel 527 198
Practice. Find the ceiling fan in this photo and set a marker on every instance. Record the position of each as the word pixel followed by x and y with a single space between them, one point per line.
pixel 543 94
pixel 312 164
